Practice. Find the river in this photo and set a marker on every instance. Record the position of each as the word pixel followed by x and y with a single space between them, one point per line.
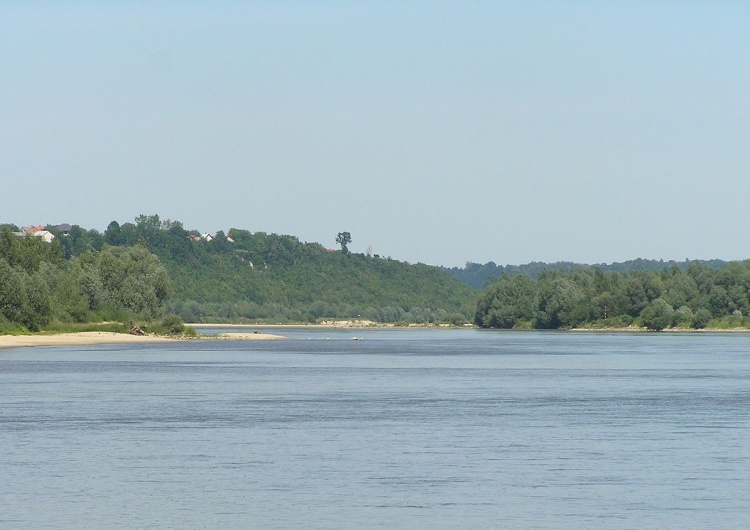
pixel 405 428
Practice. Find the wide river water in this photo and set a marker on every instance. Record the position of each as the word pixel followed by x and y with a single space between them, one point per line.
pixel 426 428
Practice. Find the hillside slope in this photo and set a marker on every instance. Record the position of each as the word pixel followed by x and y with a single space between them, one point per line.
pixel 258 275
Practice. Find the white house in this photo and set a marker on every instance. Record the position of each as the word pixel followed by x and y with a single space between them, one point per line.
pixel 45 235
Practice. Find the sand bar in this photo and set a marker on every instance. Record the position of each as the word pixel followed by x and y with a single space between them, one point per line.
pixel 249 336
pixel 87 338
pixel 83 338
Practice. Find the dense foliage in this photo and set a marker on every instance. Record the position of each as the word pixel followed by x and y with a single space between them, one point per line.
pixel 244 275
pixel 150 267
pixel 480 276
pixel 153 266
pixel 694 298
pixel 37 283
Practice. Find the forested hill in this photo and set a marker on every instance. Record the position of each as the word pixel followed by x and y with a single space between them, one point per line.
pixel 479 275
pixel 240 274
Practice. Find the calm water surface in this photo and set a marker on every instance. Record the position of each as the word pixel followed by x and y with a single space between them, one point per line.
pixel 403 429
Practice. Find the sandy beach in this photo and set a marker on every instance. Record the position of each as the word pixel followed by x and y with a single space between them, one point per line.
pixel 88 338
pixel 83 338
pixel 249 336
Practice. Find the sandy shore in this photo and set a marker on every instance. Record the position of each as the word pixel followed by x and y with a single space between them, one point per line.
pixel 88 338
pixel 249 336
pixel 83 338
pixel 323 324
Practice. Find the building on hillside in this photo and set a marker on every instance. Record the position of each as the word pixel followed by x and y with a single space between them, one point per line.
pixel 45 235
pixel 202 237
pixel 33 229
pixel 206 237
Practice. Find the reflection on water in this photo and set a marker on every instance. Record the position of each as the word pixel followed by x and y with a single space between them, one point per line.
pixel 406 428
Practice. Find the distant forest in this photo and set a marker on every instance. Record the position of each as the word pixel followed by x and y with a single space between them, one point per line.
pixel 151 267
pixel 479 276
pixel 695 298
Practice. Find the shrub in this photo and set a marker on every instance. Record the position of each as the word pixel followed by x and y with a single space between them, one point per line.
pixel 701 318
pixel 172 325
pixel 657 315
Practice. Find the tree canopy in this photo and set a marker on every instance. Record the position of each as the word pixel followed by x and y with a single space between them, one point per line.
pixel 151 266
pixel 343 239
pixel 669 298
pixel 37 284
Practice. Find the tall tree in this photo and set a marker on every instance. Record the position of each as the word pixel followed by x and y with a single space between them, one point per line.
pixel 343 239
pixel 113 233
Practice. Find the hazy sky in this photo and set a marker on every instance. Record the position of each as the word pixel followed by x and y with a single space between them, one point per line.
pixel 435 132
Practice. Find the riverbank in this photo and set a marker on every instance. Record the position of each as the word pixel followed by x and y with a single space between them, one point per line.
pixel 83 338
pixel 92 338
pixel 330 324
pixel 634 329
pixel 322 324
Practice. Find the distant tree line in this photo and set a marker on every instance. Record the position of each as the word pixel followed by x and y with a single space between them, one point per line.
pixel 480 276
pixel 250 276
pixel 697 297
pixel 153 266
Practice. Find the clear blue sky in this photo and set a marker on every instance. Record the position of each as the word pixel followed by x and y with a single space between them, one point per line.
pixel 434 132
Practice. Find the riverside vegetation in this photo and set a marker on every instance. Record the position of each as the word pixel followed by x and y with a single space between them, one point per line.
pixel 151 268
pixel 160 273
pixel 698 297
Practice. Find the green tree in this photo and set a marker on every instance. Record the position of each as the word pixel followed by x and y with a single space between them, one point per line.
pixel 609 298
pixel 680 289
pixel 556 302
pixel 134 279
pixel 657 315
pixel 113 234
pixel 36 309
pixel 11 291
pixel 506 303
pixel 701 318
pixel 642 288
pixel 28 252
pixel 24 297
pixel 343 239
pixel 683 316
pixel 79 241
